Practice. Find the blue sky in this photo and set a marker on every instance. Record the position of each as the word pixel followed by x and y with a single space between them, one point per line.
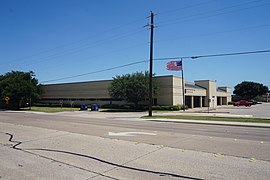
pixel 60 38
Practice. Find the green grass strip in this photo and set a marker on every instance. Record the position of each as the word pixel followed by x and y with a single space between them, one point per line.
pixel 211 118
pixel 50 109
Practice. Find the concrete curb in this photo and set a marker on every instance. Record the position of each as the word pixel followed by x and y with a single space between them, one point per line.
pixel 207 114
pixel 221 123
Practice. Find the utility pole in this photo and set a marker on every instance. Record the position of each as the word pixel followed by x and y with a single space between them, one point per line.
pixel 30 93
pixel 151 64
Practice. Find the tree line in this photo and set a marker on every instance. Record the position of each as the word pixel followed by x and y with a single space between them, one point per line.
pixel 20 89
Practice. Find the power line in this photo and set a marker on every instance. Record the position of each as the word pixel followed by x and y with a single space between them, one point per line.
pixel 79 49
pixel 80 42
pixel 207 34
pixel 189 18
pixel 186 7
pixel 162 59
pixel 213 55
pixel 214 33
pixel 108 69
pixel 231 54
pixel 83 47
pixel 44 68
pixel 208 12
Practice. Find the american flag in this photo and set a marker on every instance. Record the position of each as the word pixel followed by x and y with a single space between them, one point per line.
pixel 174 66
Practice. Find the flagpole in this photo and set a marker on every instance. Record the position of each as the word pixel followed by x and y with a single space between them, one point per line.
pixel 183 86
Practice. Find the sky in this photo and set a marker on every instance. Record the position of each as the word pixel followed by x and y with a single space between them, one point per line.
pixel 62 38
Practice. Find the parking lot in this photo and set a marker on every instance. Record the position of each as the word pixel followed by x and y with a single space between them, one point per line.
pixel 258 110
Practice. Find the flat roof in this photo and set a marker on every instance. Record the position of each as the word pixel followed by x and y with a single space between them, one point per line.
pixel 193 86
pixel 220 90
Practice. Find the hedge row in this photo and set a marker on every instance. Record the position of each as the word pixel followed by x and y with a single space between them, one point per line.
pixel 116 106
pixel 144 107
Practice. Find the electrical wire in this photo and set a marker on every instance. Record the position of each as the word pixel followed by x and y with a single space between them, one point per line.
pixel 214 55
pixel 162 59
pixel 208 12
pixel 189 18
pixel 214 33
pixel 83 47
pixel 57 64
pixel 186 7
pixel 94 72
pixel 81 41
pixel 79 49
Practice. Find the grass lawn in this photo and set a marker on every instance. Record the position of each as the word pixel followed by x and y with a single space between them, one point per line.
pixel 50 109
pixel 211 118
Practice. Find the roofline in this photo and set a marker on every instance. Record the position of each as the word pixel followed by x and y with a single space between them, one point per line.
pixel 77 82
pixel 101 80
pixel 224 87
pixel 168 76
pixel 194 82
pixel 207 80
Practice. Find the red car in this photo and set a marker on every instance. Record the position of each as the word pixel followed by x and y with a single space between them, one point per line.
pixel 242 103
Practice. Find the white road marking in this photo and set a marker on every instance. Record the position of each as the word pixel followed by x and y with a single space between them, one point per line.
pixel 129 133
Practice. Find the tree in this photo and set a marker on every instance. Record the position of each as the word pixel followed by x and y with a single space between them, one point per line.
pixel 16 87
pixel 132 87
pixel 249 90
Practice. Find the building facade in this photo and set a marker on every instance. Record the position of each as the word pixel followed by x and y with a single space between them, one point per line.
pixel 203 93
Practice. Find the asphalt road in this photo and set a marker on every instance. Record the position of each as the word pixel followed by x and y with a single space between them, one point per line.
pixel 51 121
pixel 88 145
pixel 236 141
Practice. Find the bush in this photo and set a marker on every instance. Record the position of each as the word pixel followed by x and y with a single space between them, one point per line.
pixel 259 99
pixel 182 107
pixel 113 106
pixel 236 98
pixel 145 107
pixel 125 106
pixel 230 103
pixel 56 105
pixel 139 107
pixel 46 105
pixel 166 108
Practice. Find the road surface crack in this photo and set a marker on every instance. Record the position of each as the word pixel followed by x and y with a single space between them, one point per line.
pixel 17 143
pixel 123 166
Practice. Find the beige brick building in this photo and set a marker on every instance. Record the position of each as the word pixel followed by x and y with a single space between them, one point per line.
pixel 201 93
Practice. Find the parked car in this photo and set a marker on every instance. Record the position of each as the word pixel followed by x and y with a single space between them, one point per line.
pixel 253 101
pixel 242 103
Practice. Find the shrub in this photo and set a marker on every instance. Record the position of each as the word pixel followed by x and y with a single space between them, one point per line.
pixel 167 108
pixel 144 107
pixel 113 106
pixel 259 99
pixel 182 107
pixel 46 105
pixel 230 103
